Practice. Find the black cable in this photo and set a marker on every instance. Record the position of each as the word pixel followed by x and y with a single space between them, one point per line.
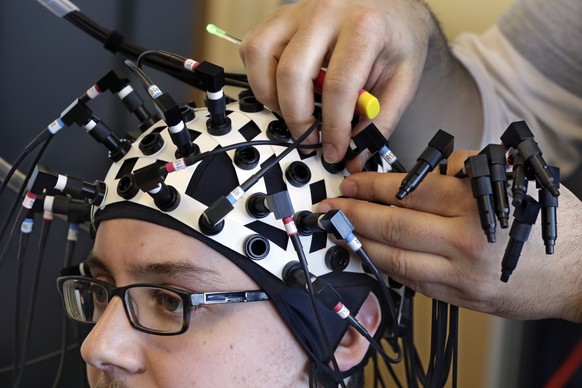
pixel 69 251
pixel 36 360
pixel 303 261
pixel 139 73
pixel 63 352
pixel 363 255
pixel 23 244
pixel 223 205
pixel 16 203
pixel 129 49
pixel 44 232
pixel 27 150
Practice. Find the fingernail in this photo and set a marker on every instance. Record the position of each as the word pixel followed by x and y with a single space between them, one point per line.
pixel 348 188
pixel 329 153
pixel 322 207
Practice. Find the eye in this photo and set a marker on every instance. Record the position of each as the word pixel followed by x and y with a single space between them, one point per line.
pixel 169 301
pixel 100 294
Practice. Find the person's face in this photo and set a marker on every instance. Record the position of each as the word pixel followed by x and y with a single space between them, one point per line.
pixel 241 344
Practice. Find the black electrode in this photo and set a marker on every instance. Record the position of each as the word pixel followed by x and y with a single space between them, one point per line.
pixel 439 147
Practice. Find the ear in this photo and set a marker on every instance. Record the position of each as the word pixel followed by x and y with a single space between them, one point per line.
pixel 353 346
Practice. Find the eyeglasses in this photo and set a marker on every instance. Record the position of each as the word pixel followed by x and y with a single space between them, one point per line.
pixel 150 308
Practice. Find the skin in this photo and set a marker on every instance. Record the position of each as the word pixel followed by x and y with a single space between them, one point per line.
pixel 227 345
pixel 394 49
pixel 241 345
pixel 441 251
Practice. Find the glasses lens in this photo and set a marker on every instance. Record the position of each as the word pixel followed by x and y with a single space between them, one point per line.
pixel 155 309
pixel 85 301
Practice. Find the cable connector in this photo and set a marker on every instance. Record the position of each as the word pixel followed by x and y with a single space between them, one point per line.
pixel 371 138
pixel 498 168
pixel 118 84
pixel 76 113
pixel 439 147
pixel 549 205
pixel 150 179
pixel 520 137
pixel 212 78
pixel 520 177
pixel 172 116
pixel 260 205
pixel 525 216
pixel 477 168
pixel 76 210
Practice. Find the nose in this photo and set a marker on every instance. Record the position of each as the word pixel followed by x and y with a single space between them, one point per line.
pixel 113 345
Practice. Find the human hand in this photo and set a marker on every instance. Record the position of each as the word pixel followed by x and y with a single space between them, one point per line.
pixel 432 241
pixel 380 46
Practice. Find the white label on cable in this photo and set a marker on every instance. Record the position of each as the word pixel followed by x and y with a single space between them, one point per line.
pixel 73 234
pixel 26 226
pixel 28 202
pixel 237 193
pixel 343 312
pixel 55 126
pixel 355 244
pixel 154 91
pixel 93 92
pixel 291 228
pixel 179 164
pixel 190 64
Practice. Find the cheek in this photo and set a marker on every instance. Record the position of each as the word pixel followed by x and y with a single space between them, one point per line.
pixel 251 344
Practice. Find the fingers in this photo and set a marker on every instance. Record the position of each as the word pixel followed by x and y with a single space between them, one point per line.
pixel 358 44
pixel 408 267
pixel 300 64
pixel 260 51
pixel 456 162
pixel 402 228
pixel 435 194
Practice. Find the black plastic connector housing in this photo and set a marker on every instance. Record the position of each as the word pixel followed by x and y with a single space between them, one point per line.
pixel 525 216
pixel 520 179
pixel 168 109
pixel 307 222
pixel 94 192
pixel 41 179
pixel 519 136
pixel 369 138
pixel 217 211
pixel 477 168
pixel 549 205
pixel 149 177
pixel 336 222
pixel 498 169
pixel 101 133
pixel 211 76
pixel 76 210
pixel 76 113
pixel 439 147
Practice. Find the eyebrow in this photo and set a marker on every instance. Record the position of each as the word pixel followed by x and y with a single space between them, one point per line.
pixel 181 270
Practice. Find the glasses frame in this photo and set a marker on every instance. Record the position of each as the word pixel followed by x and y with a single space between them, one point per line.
pixel 189 300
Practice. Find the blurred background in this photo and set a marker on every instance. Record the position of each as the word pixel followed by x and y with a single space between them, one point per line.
pixel 46 62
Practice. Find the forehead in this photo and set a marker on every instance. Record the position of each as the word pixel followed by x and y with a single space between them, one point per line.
pixel 140 250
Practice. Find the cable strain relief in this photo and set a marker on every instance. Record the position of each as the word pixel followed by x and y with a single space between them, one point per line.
pixel 59 7
pixel 114 41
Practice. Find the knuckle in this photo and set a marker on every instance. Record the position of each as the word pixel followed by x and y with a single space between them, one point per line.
pixel 390 230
